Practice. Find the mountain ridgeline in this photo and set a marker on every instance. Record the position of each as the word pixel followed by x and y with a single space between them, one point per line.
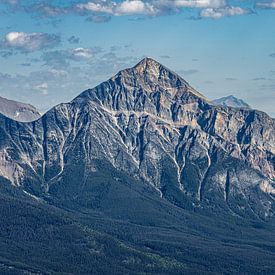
pixel 145 147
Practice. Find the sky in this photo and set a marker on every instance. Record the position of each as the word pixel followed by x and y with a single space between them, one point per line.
pixel 51 51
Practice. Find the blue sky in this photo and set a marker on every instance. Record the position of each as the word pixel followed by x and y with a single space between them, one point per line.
pixel 51 51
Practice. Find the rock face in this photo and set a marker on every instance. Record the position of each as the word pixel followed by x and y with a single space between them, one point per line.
pixel 18 111
pixel 231 101
pixel 150 123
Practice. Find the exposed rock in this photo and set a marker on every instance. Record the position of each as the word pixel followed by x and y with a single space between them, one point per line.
pixel 150 123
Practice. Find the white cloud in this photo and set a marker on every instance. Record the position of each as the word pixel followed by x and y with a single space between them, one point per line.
pixel 200 3
pixel 82 53
pixel 101 10
pixel 96 7
pixel 223 12
pixel 135 7
pixel 209 8
pixel 126 7
pixel 28 42
pixel 266 5
pixel 154 7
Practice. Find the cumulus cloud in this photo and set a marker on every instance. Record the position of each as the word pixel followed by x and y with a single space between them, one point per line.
pixel 100 11
pixel 223 12
pixel 208 8
pixel 127 7
pixel 153 7
pixel 81 53
pixel 28 42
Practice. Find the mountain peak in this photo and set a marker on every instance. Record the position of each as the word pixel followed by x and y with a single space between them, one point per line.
pixel 152 68
pixel 18 111
pixel 231 101
pixel 148 83
pixel 151 72
pixel 150 75
pixel 147 63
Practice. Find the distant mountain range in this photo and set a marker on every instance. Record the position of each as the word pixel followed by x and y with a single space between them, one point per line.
pixel 231 101
pixel 141 174
pixel 18 111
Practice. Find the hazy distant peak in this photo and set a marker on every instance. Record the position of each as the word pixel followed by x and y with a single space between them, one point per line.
pixel 231 101
pixel 18 111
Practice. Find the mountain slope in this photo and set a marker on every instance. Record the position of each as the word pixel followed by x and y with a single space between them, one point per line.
pixel 231 101
pixel 18 111
pixel 145 235
pixel 149 122
pixel 37 238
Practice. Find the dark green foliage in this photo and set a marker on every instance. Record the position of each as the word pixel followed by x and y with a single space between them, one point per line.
pixel 36 237
pixel 109 223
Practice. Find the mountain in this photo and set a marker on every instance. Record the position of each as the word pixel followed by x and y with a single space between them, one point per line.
pixel 147 169
pixel 152 124
pixel 18 111
pixel 231 101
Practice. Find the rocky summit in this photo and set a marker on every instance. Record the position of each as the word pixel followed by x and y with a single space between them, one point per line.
pixel 145 129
